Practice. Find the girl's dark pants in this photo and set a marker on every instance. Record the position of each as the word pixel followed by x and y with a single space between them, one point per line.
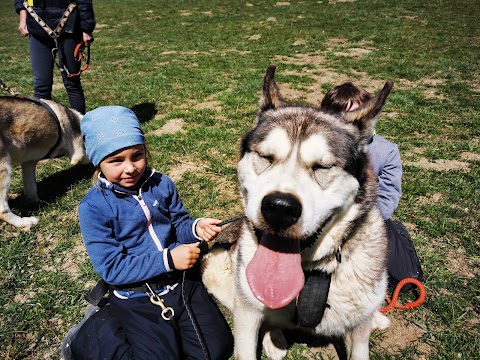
pixel 43 67
pixel 135 329
pixel 403 260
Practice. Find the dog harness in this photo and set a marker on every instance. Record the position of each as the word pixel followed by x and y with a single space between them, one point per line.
pixel 55 35
pixel 55 120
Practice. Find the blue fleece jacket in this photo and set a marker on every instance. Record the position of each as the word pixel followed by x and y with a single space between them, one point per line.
pixel 128 233
pixel 387 165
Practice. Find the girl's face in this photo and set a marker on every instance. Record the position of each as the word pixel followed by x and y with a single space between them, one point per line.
pixel 125 167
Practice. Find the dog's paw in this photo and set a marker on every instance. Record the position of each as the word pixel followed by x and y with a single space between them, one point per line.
pixel 380 321
pixel 274 345
pixel 24 223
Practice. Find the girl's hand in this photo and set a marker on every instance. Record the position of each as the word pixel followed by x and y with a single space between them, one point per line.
pixel 185 256
pixel 207 229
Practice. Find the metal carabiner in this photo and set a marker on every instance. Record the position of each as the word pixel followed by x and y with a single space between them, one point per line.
pixel 167 311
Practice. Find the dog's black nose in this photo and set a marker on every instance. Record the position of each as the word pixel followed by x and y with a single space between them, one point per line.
pixel 281 210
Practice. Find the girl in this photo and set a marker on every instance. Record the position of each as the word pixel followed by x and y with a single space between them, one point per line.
pixel 143 243
pixel 385 159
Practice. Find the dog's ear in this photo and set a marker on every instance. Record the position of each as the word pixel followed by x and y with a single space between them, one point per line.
pixel 365 117
pixel 271 97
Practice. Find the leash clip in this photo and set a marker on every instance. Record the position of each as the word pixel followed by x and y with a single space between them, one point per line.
pixel 167 311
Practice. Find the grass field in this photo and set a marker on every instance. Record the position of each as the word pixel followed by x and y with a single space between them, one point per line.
pixel 192 70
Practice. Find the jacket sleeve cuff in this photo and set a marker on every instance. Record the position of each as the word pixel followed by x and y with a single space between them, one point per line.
pixel 194 226
pixel 168 260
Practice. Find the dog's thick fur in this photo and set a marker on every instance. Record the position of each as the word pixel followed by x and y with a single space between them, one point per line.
pixel 27 133
pixel 309 197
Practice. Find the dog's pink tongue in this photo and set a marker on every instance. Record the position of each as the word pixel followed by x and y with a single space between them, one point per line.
pixel 275 273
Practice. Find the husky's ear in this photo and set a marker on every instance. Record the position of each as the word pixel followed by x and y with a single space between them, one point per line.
pixel 271 97
pixel 365 117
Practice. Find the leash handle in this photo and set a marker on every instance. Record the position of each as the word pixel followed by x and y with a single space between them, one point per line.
pixel 392 303
pixel 78 55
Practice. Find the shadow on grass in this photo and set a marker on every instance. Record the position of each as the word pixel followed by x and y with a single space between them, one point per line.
pixel 145 112
pixel 316 341
pixel 52 188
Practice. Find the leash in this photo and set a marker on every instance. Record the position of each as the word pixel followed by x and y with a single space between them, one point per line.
pixel 55 35
pixel 79 54
pixel 228 221
pixel 392 303
pixel 194 322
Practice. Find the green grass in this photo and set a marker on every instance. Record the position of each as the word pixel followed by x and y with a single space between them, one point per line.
pixel 203 62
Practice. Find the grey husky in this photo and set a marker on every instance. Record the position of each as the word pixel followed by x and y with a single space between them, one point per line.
pixel 31 130
pixel 310 253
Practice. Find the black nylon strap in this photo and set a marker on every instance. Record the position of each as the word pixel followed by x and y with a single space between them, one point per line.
pixel 312 300
pixel 55 120
pixel 96 295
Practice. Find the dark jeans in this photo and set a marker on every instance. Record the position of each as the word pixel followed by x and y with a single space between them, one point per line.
pixel 43 67
pixel 134 329
pixel 403 260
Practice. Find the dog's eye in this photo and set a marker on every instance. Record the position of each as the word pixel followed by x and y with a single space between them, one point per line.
pixel 316 167
pixel 268 158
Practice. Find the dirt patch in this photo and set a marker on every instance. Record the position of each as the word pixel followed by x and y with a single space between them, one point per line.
pixel 434 199
pixel 402 334
pixel 340 1
pixel 458 263
pixel 476 84
pixel 440 165
pixel 314 66
pixel 353 52
pixel 171 127
pixel 177 172
pixel 433 94
pixel 210 104
pixel 255 37
pixel 470 156
pixel 100 26
pixel 57 86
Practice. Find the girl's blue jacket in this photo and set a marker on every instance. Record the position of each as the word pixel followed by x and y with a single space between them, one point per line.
pixel 128 233
pixel 387 165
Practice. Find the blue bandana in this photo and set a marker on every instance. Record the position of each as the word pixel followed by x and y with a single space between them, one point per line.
pixel 108 129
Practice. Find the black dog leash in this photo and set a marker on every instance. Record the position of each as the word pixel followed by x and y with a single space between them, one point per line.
pixel 228 221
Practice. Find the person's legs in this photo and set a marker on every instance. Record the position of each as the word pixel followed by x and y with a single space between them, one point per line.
pixel 202 325
pixel 100 337
pixel 73 84
pixel 403 261
pixel 149 335
pixel 42 66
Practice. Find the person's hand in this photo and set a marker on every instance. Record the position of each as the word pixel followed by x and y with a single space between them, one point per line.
pixel 207 229
pixel 185 256
pixel 22 24
pixel 88 39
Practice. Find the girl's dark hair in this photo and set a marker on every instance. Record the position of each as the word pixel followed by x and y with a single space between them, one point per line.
pixel 342 97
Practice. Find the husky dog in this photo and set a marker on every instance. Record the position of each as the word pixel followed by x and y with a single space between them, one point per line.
pixel 310 253
pixel 31 130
